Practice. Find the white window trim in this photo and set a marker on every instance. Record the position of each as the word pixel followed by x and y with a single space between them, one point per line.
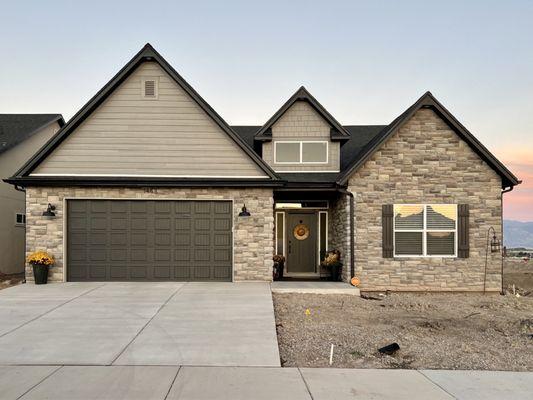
pixel 277 231
pixel 19 223
pixel 424 232
pixel 156 88
pixel 301 162
pixel 319 236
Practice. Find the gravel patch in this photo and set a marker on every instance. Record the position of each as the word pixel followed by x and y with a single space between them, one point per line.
pixel 434 331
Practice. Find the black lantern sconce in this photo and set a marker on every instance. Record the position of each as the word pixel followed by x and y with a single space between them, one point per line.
pixel 49 211
pixel 494 243
pixel 244 212
pixel 495 246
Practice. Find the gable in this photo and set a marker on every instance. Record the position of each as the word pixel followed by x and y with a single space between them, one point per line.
pixel 128 135
pixel 425 153
pixel 337 131
pixel 429 102
pixel 301 120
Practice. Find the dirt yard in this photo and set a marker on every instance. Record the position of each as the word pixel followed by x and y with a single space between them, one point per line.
pixel 10 280
pixel 519 273
pixel 449 331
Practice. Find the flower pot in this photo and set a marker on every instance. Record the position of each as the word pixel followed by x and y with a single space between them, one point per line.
pixel 40 273
pixel 335 272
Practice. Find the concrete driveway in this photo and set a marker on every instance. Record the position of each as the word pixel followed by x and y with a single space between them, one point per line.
pixel 167 323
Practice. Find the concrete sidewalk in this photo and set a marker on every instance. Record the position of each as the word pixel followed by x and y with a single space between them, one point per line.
pixel 258 383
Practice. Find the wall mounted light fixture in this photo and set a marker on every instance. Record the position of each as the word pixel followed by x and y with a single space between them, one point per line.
pixel 244 212
pixel 49 211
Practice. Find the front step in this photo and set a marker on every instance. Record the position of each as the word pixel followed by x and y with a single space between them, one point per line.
pixel 314 287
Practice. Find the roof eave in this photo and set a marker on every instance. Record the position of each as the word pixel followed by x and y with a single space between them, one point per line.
pixel 69 181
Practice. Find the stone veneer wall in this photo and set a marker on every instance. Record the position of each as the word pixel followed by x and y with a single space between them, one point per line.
pixel 339 223
pixel 426 162
pixel 253 245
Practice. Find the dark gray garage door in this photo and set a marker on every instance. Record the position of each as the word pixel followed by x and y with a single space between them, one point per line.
pixel 123 240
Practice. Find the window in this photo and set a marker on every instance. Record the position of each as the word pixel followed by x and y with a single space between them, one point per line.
pixel 20 219
pixel 425 230
pixel 301 152
pixel 149 88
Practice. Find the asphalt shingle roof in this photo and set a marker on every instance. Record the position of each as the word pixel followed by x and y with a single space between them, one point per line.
pixel 15 128
pixel 360 137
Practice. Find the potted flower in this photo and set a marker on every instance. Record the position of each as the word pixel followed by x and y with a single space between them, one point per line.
pixel 279 265
pixel 332 262
pixel 41 261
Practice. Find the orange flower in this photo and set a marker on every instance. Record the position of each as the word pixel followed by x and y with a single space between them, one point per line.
pixel 40 257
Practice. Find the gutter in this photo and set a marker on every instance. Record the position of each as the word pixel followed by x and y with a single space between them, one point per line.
pixel 352 230
pixel 507 190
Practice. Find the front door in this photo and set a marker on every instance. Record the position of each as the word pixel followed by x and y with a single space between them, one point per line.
pixel 301 243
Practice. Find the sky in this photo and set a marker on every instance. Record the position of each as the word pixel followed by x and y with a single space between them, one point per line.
pixel 365 61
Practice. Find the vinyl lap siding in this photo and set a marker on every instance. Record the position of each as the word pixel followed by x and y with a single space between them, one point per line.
pixel 131 135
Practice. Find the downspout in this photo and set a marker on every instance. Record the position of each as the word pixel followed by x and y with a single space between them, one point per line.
pixel 352 230
pixel 509 189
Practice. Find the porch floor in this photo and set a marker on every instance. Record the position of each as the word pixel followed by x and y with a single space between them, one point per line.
pixel 316 287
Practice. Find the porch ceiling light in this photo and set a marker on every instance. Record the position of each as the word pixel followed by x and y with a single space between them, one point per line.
pixel 244 212
pixel 49 211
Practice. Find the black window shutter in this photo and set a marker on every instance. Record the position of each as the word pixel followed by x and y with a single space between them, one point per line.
pixel 463 231
pixel 386 221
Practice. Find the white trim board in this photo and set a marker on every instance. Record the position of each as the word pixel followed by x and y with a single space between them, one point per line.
pixel 158 176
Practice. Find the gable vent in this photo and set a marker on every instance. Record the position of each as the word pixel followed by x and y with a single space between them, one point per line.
pixel 150 88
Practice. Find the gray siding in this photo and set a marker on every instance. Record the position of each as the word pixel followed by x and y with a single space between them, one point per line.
pixel 167 136
pixel 13 201
pixel 302 122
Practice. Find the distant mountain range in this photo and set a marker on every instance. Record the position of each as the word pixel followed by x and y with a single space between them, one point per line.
pixel 518 234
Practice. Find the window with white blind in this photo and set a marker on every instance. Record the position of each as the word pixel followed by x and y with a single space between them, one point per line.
pixel 425 230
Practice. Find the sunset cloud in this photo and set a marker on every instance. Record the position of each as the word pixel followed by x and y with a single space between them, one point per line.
pixel 518 204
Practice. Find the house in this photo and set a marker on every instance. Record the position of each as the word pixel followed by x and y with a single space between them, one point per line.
pixel 148 182
pixel 21 135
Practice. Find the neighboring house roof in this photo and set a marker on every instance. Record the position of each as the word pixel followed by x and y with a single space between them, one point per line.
pixel 147 53
pixel 16 128
pixel 302 94
pixel 428 101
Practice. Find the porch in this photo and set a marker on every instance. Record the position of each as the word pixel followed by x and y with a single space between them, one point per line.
pixel 309 224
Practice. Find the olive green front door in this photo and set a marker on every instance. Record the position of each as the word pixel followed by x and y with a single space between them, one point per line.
pixel 301 242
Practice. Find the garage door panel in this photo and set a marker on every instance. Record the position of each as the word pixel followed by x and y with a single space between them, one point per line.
pixel 118 272
pixel 222 273
pixel 118 254
pixel 202 224
pixel 162 272
pixel 98 254
pixel 97 238
pixel 162 239
pixel 149 240
pixel 98 207
pixel 202 207
pixel 183 239
pixel 162 255
pixel 97 271
pixel 182 255
pixel 182 273
pixel 202 239
pixel 222 208
pixel 139 255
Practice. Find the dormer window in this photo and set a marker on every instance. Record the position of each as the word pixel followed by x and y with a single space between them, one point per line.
pixel 149 88
pixel 301 152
